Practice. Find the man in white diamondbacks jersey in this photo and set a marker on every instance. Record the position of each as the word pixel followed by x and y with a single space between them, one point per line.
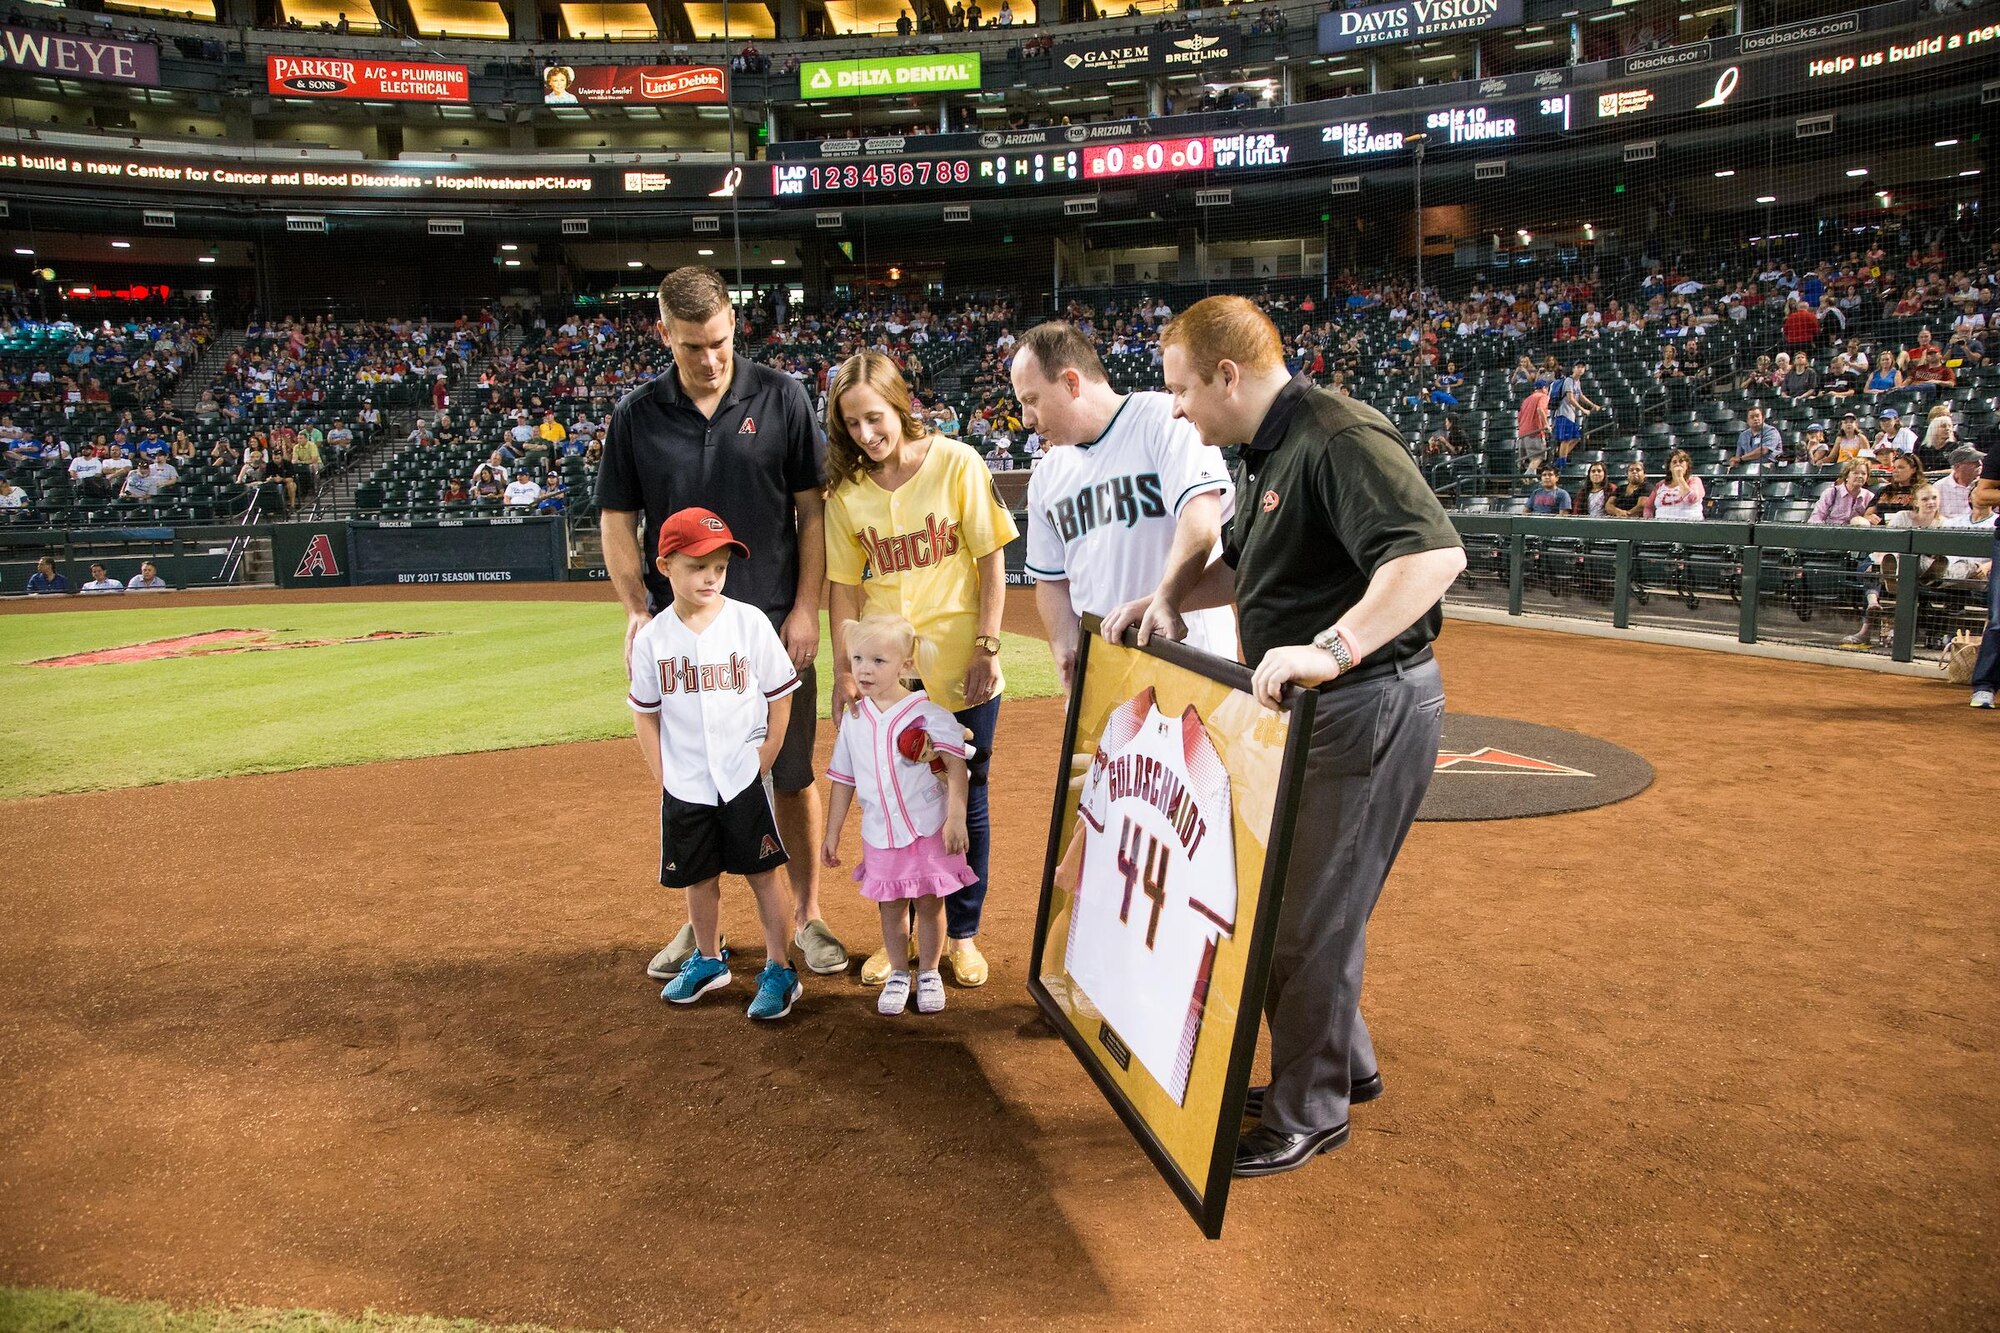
pixel 1151 872
pixel 1127 497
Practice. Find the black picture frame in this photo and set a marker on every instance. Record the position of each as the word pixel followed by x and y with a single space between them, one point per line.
pixel 1206 1201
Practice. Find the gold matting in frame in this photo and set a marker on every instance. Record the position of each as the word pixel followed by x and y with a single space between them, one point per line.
pixel 1169 1034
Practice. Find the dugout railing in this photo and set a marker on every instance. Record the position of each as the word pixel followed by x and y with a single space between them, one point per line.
pixel 1801 584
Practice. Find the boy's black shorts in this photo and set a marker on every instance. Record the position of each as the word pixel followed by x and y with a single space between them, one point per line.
pixel 699 842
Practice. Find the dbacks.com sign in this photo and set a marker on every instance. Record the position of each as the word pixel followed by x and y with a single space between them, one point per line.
pixel 367 80
pixel 1412 21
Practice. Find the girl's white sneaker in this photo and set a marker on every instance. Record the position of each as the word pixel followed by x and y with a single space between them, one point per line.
pixel 930 992
pixel 895 995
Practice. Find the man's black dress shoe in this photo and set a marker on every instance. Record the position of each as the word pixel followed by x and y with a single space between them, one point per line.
pixel 1266 1152
pixel 1365 1090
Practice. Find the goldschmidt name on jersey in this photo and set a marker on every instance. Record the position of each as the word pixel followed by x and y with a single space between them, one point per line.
pixel 1144 778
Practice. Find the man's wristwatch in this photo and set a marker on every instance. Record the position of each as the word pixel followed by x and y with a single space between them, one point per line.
pixel 987 643
pixel 1331 640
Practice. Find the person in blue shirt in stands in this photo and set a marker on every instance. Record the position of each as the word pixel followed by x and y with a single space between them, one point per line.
pixel 1551 498
pixel 45 580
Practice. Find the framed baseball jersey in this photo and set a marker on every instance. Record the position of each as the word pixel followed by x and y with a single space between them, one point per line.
pixel 1167 846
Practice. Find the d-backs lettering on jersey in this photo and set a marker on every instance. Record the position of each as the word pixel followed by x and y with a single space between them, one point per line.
pixel 1158 886
pixel 682 674
pixel 1121 500
pixel 927 546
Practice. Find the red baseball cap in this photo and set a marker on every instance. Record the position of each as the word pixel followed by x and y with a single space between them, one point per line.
pixel 697 532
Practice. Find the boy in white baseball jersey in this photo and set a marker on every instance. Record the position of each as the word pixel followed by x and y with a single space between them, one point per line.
pixel 1127 496
pixel 708 680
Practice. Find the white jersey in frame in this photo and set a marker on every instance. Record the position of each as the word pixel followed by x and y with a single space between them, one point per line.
pixel 713 693
pixel 1102 515
pixel 1158 884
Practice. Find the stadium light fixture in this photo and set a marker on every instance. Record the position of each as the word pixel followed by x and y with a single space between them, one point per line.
pixel 635 263
pixel 705 253
pixel 513 263
pixel 778 262
pixel 1767 198
pixel 509 246
pixel 23 250
pixel 121 245
pixel 1945 143
pixel 1972 171
pixel 204 259
pixel 1725 175
pixel 1857 171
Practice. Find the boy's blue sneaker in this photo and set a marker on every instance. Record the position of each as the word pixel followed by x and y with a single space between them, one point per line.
pixel 698 976
pixel 777 987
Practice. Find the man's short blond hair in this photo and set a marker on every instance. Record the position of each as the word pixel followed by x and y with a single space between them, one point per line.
pixel 695 294
pixel 1225 328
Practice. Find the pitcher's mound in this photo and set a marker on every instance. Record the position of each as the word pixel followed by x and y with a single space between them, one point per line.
pixel 1497 768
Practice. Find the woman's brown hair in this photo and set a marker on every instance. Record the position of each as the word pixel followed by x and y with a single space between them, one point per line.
pixel 845 460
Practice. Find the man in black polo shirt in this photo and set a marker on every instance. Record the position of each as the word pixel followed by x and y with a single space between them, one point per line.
pixel 738 439
pixel 1336 559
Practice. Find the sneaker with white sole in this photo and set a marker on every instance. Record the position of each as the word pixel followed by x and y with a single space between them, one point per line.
pixel 930 992
pixel 666 964
pixel 895 994
pixel 778 989
pixel 1982 698
pixel 698 976
pixel 823 953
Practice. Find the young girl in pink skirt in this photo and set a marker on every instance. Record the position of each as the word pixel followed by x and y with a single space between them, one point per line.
pixel 904 758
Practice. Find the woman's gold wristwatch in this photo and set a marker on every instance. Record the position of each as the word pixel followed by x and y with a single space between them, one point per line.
pixel 988 643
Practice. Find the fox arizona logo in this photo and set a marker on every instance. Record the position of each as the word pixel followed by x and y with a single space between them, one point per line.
pixel 318 561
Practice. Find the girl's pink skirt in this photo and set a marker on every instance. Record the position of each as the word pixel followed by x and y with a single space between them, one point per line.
pixel 924 869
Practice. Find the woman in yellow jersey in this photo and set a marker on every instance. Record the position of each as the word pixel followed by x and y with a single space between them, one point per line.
pixel 916 515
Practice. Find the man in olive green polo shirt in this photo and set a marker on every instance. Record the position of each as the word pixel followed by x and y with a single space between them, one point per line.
pixel 1336 560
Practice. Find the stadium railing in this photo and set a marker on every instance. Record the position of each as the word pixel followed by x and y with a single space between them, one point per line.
pixel 1726 579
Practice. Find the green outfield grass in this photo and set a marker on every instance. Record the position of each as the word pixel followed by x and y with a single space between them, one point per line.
pixel 42 1310
pixel 496 676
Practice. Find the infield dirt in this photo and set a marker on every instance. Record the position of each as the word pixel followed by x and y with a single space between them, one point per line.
pixel 1718 1057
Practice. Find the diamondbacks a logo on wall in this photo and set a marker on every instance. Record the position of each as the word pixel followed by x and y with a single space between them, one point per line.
pixel 318 560
pixel 216 643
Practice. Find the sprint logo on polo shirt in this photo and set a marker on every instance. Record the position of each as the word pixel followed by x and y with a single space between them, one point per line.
pixel 1123 500
pixel 931 544
pixel 681 675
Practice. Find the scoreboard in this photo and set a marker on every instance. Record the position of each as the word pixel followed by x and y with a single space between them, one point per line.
pixel 795 180
pixel 1228 153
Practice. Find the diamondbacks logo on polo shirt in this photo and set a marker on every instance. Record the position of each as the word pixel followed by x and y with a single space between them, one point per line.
pixel 749 426
pixel 1270 501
